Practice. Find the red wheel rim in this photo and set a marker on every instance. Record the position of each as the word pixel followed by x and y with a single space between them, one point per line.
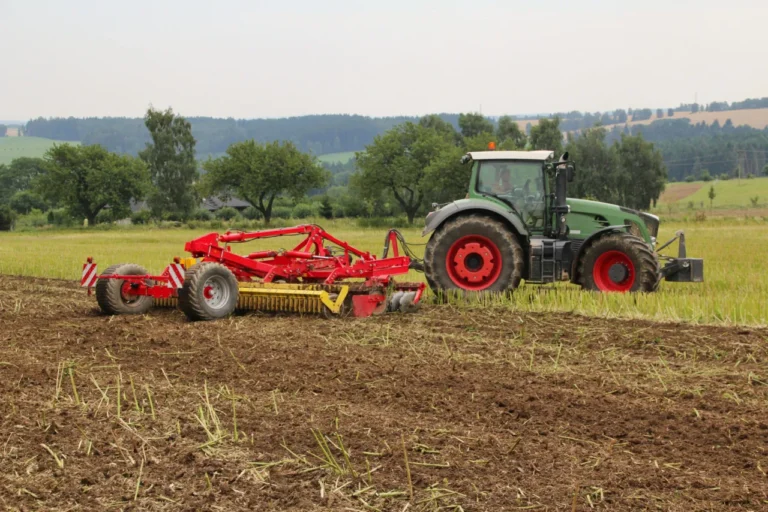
pixel 208 293
pixel 613 283
pixel 473 262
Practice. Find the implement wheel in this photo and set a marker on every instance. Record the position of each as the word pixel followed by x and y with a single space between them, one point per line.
pixel 210 291
pixel 619 263
pixel 113 295
pixel 474 254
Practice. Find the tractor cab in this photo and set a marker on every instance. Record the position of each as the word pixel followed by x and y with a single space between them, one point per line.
pixel 515 179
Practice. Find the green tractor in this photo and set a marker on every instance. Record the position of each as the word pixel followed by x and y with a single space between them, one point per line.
pixel 517 223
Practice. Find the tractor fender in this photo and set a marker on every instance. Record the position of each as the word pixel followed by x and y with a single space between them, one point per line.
pixel 463 206
pixel 589 241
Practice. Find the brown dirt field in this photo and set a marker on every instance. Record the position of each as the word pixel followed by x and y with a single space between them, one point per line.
pixel 678 192
pixel 496 410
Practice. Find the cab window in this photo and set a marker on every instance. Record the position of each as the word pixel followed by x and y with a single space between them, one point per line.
pixel 517 183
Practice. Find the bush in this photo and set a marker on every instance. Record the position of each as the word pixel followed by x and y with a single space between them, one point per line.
pixel 302 211
pixel 724 176
pixel 227 213
pixel 383 222
pixel 104 216
pixel 141 217
pixel 700 216
pixel 281 212
pixel 750 176
pixel 201 214
pixel 690 178
pixel 7 218
pixel 173 217
pixel 754 201
pixel 60 217
pixel 705 176
pixel 252 213
pixel 36 219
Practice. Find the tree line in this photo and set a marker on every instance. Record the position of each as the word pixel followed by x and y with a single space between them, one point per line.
pixel 400 172
pixel 691 148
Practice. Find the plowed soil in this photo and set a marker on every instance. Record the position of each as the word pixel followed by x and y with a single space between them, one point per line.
pixel 444 409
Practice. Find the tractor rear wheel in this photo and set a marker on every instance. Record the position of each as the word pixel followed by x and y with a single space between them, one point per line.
pixel 473 254
pixel 113 295
pixel 619 263
pixel 210 291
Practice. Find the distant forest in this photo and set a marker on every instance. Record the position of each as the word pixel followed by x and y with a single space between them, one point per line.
pixel 317 134
pixel 688 148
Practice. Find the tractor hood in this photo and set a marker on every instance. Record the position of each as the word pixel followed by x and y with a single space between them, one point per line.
pixel 591 207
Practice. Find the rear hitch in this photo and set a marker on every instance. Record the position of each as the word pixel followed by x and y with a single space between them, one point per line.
pixel 681 269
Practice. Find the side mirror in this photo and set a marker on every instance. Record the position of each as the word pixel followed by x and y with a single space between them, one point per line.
pixel 465 159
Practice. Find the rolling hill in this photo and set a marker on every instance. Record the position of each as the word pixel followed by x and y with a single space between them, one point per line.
pixel 15 147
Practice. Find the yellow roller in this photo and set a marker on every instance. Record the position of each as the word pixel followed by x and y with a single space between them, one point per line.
pixel 297 298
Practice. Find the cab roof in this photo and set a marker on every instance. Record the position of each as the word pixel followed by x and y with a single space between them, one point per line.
pixel 540 155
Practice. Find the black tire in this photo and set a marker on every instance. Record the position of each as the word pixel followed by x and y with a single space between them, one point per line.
pixel 109 292
pixel 643 275
pixel 210 291
pixel 442 275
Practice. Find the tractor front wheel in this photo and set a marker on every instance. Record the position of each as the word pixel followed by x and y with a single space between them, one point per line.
pixel 619 263
pixel 210 291
pixel 114 295
pixel 474 254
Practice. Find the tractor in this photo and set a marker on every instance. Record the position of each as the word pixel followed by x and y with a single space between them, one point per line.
pixel 516 223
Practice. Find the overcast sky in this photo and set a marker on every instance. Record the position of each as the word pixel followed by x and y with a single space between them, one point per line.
pixel 248 59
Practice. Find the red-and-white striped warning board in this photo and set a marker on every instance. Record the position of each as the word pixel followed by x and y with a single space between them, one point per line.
pixel 90 276
pixel 176 275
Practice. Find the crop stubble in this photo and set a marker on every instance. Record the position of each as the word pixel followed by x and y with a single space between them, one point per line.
pixel 492 409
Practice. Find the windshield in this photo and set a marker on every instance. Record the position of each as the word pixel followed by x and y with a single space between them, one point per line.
pixel 518 183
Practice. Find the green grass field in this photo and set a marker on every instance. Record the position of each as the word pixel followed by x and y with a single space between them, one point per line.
pixel 340 158
pixel 735 289
pixel 15 147
pixel 728 194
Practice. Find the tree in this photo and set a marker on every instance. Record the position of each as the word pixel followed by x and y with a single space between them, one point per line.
pixel 474 124
pixel 88 179
pixel 440 126
pixel 25 201
pixel 510 134
pixel 598 167
pixel 547 135
pixel 643 174
pixel 705 175
pixel 659 113
pixel 326 208
pixel 19 175
pixel 670 112
pixel 3 130
pixel 171 161
pixel 259 173
pixel 399 162
pixel 711 195
pixel 765 170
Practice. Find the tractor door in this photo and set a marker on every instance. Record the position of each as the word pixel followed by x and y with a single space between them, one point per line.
pixel 518 183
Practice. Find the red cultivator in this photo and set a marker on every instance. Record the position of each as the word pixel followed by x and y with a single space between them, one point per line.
pixel 321 274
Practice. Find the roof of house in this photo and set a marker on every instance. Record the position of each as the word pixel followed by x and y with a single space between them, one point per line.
pixel 215 203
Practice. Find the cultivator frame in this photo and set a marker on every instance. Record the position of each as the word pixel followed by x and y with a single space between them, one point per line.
pixel 313 277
